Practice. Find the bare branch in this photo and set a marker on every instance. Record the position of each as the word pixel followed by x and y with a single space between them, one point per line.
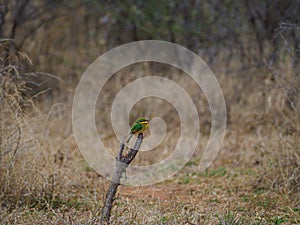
pixel 122 162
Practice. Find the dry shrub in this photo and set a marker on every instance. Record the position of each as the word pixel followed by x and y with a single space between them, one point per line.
pixel 282 166
pixel 16 179
pixel 280 148
pixel 28 172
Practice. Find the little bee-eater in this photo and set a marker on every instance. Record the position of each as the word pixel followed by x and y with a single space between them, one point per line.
pixel 140 125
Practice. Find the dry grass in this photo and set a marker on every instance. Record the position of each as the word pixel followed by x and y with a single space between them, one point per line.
pixel 254 180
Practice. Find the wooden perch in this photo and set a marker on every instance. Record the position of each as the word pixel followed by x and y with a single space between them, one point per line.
pixel 122 162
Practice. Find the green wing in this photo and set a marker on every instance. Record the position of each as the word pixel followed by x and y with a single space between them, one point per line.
pixel 136 127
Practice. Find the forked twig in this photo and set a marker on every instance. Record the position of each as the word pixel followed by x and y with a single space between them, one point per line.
pixel 122 162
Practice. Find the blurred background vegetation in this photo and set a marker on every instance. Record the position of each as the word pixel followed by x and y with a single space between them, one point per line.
pixel 250 32
pixel 251 46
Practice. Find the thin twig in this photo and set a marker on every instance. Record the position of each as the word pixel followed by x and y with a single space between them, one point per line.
pixel 122 162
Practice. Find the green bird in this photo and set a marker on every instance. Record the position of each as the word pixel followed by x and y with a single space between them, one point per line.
pixel 140 125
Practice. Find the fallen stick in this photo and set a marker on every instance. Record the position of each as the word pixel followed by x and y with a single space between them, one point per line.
pixel 122 162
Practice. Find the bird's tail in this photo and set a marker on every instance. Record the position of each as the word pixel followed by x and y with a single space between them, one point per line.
pixel 129 137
